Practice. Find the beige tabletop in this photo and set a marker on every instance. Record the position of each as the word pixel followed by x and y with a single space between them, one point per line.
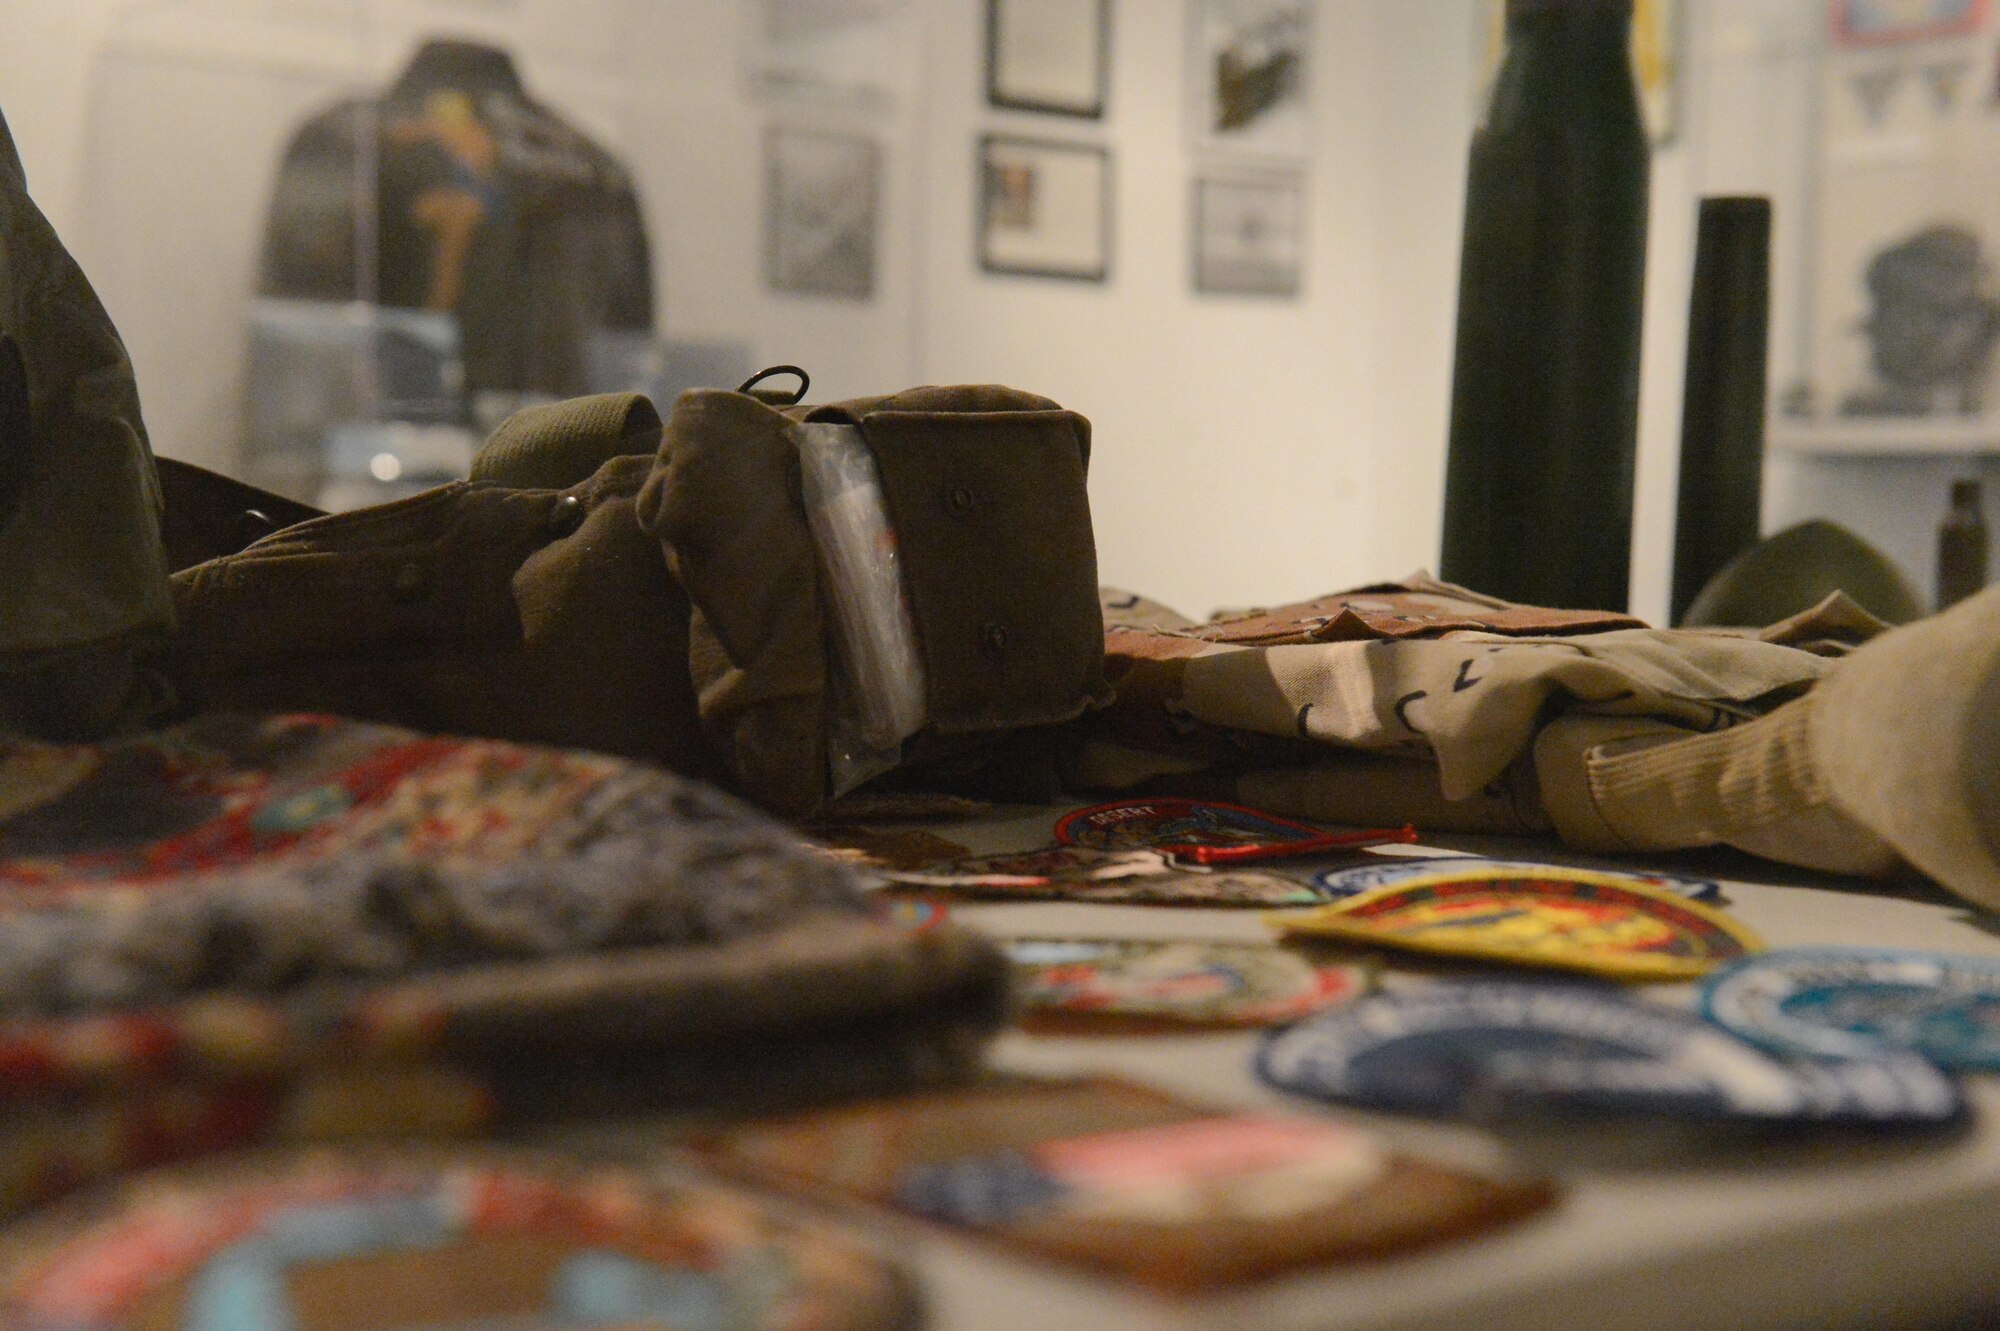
pixel 1659 1228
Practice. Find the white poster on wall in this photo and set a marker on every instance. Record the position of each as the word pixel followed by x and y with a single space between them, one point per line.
pixel 1906 226
pixel 1045 208
pixel 821 197
pixel 1249 64
pixel 1048 55
pixel 852 50
pixel 1248 237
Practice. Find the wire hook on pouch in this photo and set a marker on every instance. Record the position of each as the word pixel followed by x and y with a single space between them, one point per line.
pixel 805 382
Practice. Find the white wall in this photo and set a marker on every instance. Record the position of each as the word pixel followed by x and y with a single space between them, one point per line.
pixel 1247 449
pixel 1759 95
pixel 47 51
pixel 1233 436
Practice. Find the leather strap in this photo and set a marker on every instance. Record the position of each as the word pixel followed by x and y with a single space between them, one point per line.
pixel 209 515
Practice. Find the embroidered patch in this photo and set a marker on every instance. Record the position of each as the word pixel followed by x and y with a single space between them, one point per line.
pixel 261 853
pixel 1245 1166
pixel 1572 919
pixel 1205 832
pixel 1353 880
pixel 912 914
pixel 1501 1049
pixel 154 810
pixel 402 1245
pixel 1148 984
pixel 1124 1179
pixel 1851 1002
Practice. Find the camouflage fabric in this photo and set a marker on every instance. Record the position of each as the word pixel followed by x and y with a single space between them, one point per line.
pixel 83 575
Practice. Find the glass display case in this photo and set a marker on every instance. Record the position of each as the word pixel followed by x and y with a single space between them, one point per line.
pixel 345 239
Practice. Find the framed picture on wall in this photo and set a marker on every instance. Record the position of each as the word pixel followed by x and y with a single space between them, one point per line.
pixel 1044 208
pixel 1890 22
pixel 821 203
pixel 1249 233
pixel 1048 55
pixel 1900 313
pixel 1249 64
pixel 856 50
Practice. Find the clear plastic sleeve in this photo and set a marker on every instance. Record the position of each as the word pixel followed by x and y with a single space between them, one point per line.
pixel 876 679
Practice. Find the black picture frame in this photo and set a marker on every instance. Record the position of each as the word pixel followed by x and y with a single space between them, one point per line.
pixel 1079 88
pixel 1044 208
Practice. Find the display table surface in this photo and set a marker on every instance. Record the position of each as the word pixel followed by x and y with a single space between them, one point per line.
pixel 1676 1228
pixel 1660 1228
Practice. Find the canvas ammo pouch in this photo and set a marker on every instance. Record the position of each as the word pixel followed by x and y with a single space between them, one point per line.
pixel 886 581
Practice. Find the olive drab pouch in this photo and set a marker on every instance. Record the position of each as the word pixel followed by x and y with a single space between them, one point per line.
pixel 537 615
pixel 83 574
pixel 879 581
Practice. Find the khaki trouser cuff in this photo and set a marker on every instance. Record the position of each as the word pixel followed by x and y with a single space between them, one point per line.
pixel 1624 786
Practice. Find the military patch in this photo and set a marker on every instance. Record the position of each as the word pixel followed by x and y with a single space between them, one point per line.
pixel 1072 873
pixel 1205 832
pixel 1852 1002
pixel 1052 865
pixel 260 896
pixel 912 914
pixel 1240 1165
pixel 1571 919
pixel 885 848
pixel 1151 984
pixel 1124 1179
pixel 1385 870
pixel 1505 1050
pixel 267 852
pixel 422 1243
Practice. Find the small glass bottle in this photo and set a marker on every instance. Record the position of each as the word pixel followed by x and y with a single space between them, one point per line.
pixel 1962 542
pixel 1545 380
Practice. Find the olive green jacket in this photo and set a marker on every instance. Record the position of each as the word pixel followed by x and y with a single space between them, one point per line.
pixel 83 578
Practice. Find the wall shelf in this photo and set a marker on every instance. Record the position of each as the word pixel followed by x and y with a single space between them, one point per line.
pixel 1887 436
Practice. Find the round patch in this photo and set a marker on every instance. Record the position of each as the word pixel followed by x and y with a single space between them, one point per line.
pixel 409 1244
pixel 1385 870
pixel 1571 919
pixel 1501 1050
pixel 1172 983
pixel 912 914
pixel 1852 1002
pixel 1204 832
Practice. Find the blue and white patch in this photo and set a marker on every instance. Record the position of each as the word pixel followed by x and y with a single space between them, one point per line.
pixel 1385 870
pixel 981 1190
pixel 1508 1050
pixel 1055 952
pixel 1854 1002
